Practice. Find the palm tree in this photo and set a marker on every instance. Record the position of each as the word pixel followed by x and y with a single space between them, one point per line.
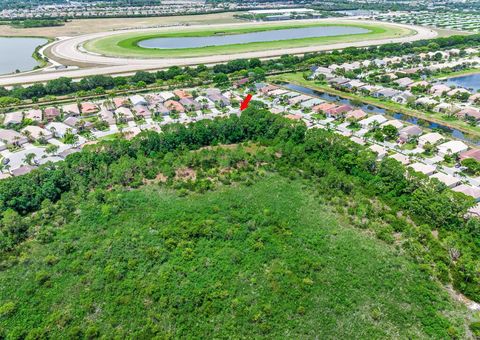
pixel 29 158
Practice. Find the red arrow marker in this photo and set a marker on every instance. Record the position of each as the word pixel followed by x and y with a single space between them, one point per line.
pixel 245 102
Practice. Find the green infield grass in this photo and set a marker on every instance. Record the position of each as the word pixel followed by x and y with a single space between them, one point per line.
pixel 126 45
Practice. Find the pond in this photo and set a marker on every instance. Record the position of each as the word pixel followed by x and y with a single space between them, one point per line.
pixel 244 38
pixel 471 81
pixel 16 53
pixel 454 133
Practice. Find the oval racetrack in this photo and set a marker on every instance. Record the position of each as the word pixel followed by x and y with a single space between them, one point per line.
pixel 71 49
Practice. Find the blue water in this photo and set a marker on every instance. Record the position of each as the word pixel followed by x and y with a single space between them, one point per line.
pixel 16 54
pixel 471 81
pixel 229 39
pixel 400 116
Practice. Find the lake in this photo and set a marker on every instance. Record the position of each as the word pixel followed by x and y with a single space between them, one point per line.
pixel 471 81
pixel 244 38
pixel 16 53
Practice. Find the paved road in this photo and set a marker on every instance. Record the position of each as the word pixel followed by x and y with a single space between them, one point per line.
pixel 70 49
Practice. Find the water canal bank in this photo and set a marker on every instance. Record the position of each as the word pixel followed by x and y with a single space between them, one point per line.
pixel 424 122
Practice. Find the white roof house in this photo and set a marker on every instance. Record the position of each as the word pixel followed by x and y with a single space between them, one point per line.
pixel 138 100
pixel 425 169
pixel 13 118
pixel 71 109
pixel 12 137
pixel 469 191
pixel 37 132
pixel 166 95
pixel 401 158
pixel 380 150
pixel 59 129
pixel 432 138
pixel 448 180
pixel 394 122
pixel 371 120
pixel 34 114
pixel 124 113
pixel 452 147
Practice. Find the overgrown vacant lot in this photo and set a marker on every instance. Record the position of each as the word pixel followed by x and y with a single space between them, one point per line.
pixel 240 261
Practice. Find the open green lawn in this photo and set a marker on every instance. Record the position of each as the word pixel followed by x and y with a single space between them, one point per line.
pixel 266 260
pixel 125 45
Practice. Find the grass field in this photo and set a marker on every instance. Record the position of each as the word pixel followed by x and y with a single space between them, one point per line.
pixel 266 260
pixel 86 26
pixel 125 45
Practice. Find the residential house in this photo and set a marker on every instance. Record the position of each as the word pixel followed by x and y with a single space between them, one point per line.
pixel 355 115
pixel 266 89
pixel 338 81
pixel 338 111
pixel 457 91
pixel 120 102
pixel 449 180
pixel 107 116
pixel 189 104
pixel 124 114
pixel 312 102
pixel 409 132
pixel 72 122
pixel 386 93
pixel 240 82
pixel 446 108
pixel 23 170
pixel 439 89
pixel 469 112
pixel 393 122
pixel 182 94
pixel 404 82
pixel 354 84
pixel 379 150
pixel 36 132
pixel 51 113
pixel 13 118
pixel 59 130
pixel 173 105
pixel 421 83
pixel 323 107
pixel 142 111
pixel 431 138
pixel 472 153
pixel 138 100
pixel 12 137
pixel 88 108
pixel 71 109
pixel 469 191
pixel 403 97
pixel 426 102
pixel 166 95
pixel 34 115
pixel 376 119
pixel 298 99
pixel 160 109
pixel 219 99
pixel 426 169
pixel 401 158
pixel 451 148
